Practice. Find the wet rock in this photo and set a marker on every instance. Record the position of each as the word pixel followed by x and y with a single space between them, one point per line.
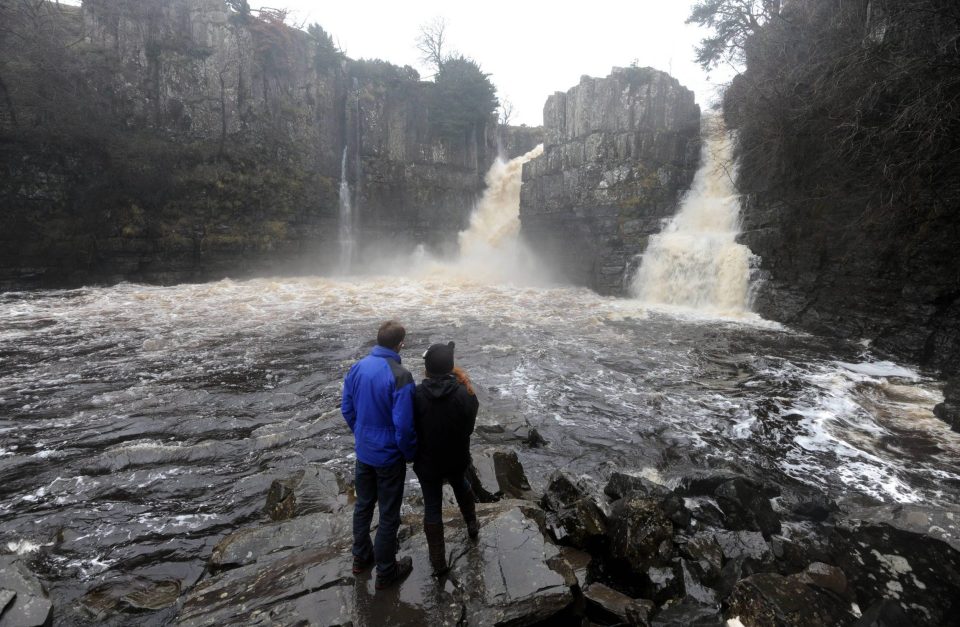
pixel 620 484
pixel 746 507
pixel 815 507
pixel 248 545
pixel 574 518
pixel 692 586
pixel 480 491
pixel 500 474
pixel 606 604
pixel 6 598
pixel 137 593
pixel 533 439
pixel 573 564
pixel 772 599
pixel 665 583
pixel 949 410
pixel 507 578
pixel 636 528
pixel 884 613
pixel 744 546
pixel 310 490
pixel 688 612
pixel 704 483
pixel 825 577
pixel 903 552
pixel 704 510
pixel 29 606
pixel 705 551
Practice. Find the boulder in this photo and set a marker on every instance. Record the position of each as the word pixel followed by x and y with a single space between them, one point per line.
pixel 884 613
pixel 310 490
pixel 665 583
pixel 745 546
pixel 772 599
pixel 498 473
pixel 688 613
pixel 606 604
pixel 949 410
pixel 574 517
pixel 705 551
pixel 746 507
pixel 826 577
pixel 635 531
pixel 692 584
pixel 573 564
pixel 908 553
pixel 620 484
pixel 26 600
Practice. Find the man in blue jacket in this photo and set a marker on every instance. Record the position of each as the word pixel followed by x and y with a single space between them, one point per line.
pixel 378 406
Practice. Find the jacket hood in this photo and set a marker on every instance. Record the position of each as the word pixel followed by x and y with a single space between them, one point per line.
pixel 438 387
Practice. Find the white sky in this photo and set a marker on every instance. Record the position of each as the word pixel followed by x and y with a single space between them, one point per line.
pixel 530 48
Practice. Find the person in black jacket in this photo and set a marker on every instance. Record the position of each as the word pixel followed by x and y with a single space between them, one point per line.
pixel 444 414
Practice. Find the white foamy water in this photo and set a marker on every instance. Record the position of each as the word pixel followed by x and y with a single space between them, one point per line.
pixel 695 262
pixel 491 250
pixel 346 237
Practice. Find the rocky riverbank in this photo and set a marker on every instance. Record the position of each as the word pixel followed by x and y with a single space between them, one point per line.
pixel 696 549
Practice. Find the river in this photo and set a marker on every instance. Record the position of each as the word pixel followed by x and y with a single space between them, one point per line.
pixel 140 424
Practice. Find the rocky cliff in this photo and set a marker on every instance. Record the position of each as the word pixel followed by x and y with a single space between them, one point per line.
pixel 618 152
pixel 851 174
pixel 187 140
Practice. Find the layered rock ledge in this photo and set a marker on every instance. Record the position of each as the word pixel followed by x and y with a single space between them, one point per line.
pixel 618 152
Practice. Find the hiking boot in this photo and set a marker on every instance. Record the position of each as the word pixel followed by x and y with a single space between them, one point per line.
pixel 438 550
pixel 401 569
pixel 468 508
pixel 473 528
pixel 362 564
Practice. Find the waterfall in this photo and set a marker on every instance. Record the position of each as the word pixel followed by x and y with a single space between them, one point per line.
pixel 495 222
pixel 346 236
pixel 695 261
pixel 490 248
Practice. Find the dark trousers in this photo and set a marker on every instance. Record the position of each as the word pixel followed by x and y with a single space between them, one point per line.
pixel 432 488
pixel 383 487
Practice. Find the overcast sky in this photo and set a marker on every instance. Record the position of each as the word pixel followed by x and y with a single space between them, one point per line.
pixel 530 48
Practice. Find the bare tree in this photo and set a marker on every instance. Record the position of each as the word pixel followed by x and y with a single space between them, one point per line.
pixel 505 113
pixel 432 42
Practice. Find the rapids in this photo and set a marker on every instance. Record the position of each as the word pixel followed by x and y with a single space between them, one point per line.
pixel 140 424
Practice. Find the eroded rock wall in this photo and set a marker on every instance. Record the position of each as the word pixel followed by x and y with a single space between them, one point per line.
pixel 188 141
pixel 618 152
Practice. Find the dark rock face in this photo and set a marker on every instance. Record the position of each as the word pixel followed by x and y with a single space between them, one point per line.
pixel 636 530
pixel 745 507
pixel 212 144
pixel 617 153
pixel 771 599
pixel 25 602
pixel 949 410
pixel 907 553
pixel 313 489
pixel 574 517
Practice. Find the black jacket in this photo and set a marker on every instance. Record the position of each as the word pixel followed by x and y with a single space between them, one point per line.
pixel 444 414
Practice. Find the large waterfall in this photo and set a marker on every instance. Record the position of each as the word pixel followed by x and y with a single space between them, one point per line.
pixel 695 261
pixel 490 248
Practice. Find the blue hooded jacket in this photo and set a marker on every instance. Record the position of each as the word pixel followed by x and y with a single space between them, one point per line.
pixel 378 406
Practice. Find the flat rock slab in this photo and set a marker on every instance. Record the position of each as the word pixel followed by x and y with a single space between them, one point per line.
pixel 505 578
pixel 30 606
pixel 502 578
pixel 248 545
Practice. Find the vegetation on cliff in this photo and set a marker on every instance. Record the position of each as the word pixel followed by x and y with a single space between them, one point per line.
pixel 849 122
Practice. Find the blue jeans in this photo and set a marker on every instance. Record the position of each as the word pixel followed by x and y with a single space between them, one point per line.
pixel 433 495
pixel 383 487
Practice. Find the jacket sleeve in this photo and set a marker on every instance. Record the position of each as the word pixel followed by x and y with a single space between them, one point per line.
pixel 470 406
pixel 403 420
pixel 347 407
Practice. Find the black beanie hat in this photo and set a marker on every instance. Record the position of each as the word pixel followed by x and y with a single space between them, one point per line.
pixel 439 358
